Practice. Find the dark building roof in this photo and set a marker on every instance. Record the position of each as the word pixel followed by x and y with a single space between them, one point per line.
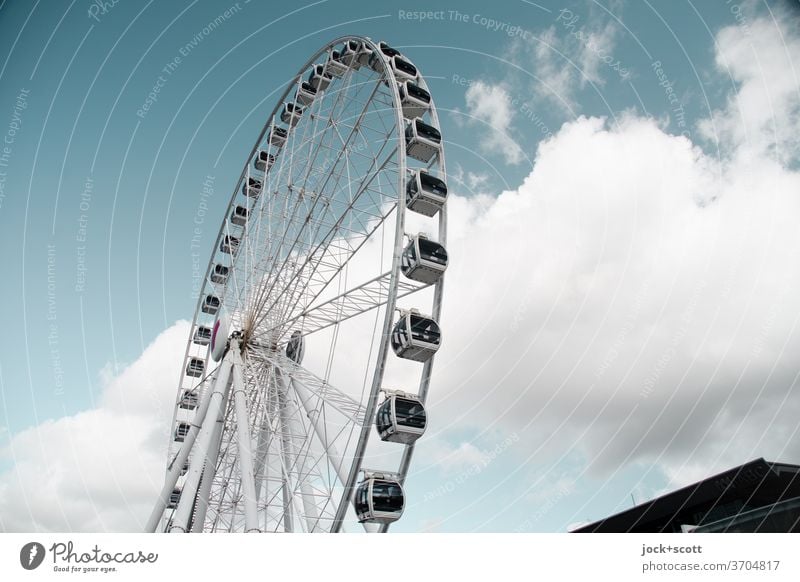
pixel 754 485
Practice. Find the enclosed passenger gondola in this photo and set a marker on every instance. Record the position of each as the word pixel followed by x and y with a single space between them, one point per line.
pixel 414 99
pixel 401 418
pixel 385 52
pixel 189 400
pixel 210 304
pixel 229 244
pixel 181 431
pixel 319 78
pixel 277 136
pixel 355 54
pixel 174 498
pixel 252 187
pixel 305 94
pixel 403 70
pixel 423 260
pixel 219 274
pixel 291 114
pixel 415 337
pixel 425 193
pixel 195 367
pixel 202 335
pixel 239 215
pixel 379 498
pixel 264 160
pixel 295 347
pixel 422 140
pixel 334 65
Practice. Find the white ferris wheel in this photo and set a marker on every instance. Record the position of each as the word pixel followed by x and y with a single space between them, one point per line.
pixel 304 382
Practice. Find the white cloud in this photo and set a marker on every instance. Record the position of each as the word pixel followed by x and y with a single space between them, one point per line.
pixel 596 46
pixel 569 55
pixel 555 79
pixel 491 105
pixel 763 116
pixel 634 299
pixel 101 469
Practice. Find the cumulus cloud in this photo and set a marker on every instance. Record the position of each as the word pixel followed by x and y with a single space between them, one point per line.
pixel 491 105
pixel 612 311
pixel 633 300
pixel 569 55
pixel 101 469
pixel 763 116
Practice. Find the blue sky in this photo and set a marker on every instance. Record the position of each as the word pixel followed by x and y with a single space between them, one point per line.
pixel 99 205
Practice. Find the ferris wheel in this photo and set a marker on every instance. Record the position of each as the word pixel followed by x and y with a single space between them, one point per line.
pixel 305 375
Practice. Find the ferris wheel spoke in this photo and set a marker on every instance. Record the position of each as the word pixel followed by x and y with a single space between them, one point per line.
pixel 304 492
pixel 309 288
pixel 311 159
pixel 352 303
pixel 315 256
pixel 321 389
pixel 322 193
pixel 243 435
pixel 336 228
pixel 332 454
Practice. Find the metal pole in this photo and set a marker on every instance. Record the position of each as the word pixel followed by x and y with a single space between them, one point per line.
pixel 262 447
pixel 203 451
pixel 201 507
pixel 245 450
pixel 174 469
pixel 309 504
pixel 330 449
pixel 288 490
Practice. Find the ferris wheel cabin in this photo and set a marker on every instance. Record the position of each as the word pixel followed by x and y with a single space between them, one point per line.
pixel 219 274
pixel 210 304
pixel 202 335
pixel 189 400
pixel 414 99
pixel 291 114
pixel 379 498
pixel 277 136
pixel 423 260
pixel 174 498
pixel 334 65
pixel 195 367
pixel 295 347
pixel 252 188
pixel 319 78
pixel 305 94
pixel 181 431
pixel 384 52
pixel 415 337
pixel 264 160
pixel 354 54
pixel 425 193
pixel 401 418
pixel 402 69
pixel 229 245
pixel 239 215
pixel 422 140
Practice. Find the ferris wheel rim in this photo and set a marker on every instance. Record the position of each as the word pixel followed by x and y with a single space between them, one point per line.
pixel 394 272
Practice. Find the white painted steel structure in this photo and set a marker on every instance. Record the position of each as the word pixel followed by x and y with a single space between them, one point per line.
pixel 290 340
